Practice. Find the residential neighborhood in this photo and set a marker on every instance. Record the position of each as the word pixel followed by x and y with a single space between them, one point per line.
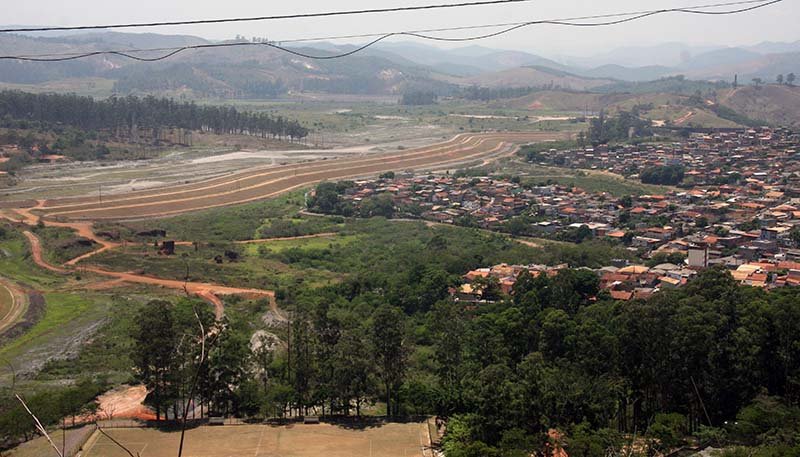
pixel 737 205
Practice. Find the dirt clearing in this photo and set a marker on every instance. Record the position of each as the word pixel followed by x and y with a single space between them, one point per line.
pixel 263 183
pixel 321 440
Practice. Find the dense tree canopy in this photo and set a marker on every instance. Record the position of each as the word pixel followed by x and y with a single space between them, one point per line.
pixel 557 359
pixel 415 98
pixel 125 116
pixel 623 126
pixel 668 175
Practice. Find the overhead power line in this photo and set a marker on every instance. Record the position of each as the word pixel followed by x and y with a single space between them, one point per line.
pixel 569 22
pixel 263 18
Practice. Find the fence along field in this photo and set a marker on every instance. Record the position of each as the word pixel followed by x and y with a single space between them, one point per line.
pixel 319 440
pixel 268 182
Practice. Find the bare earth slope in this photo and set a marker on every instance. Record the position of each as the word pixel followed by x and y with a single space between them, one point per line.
pixel 775 104
pixel 263 183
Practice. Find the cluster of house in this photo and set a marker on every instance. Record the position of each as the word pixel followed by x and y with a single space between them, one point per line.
pixel 446 199
pixel 626 282
pixel 709 158
pixel 623 282
pixel 741 208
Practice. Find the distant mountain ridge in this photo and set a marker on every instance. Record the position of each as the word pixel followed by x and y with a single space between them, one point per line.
pixel 388 68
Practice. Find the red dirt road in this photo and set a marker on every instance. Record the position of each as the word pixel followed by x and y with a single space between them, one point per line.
pixel 257 184
pixel 263 183
pixel 36 253
pixel 16 307
pixel 207 291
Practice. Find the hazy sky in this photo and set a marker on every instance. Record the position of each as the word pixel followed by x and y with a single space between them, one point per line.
pixel 774 23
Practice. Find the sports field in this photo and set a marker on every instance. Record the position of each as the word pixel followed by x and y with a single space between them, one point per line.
pixel 320 440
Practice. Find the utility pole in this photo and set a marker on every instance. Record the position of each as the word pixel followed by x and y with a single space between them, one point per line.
pixel 289 355
pixel 702 404
pixel 100 192
pixel 289 350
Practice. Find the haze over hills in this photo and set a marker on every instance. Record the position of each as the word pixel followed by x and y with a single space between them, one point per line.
pixel 388 68
pixel 395 68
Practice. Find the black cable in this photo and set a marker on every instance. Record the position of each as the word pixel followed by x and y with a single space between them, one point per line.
pixel 263 18
pixel 561 22
pixel 448 29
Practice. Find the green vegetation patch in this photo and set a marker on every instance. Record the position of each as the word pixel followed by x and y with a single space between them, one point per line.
pixel 6 301
pixel 324 242
pixel 589 180
pixel 62 309
pixel 61 244
pixel 594 182
pixel 17 265
pixel 234 223
pixel 107 353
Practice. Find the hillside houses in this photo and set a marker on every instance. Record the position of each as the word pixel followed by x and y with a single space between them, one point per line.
pixel 739 207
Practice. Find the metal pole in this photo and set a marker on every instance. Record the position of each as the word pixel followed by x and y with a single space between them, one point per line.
pixel 701 400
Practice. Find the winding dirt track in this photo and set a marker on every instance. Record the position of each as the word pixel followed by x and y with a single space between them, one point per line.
pixel 263 183
pixel 207 291
pixel 36 253
pixel 253 185
pixel 17 306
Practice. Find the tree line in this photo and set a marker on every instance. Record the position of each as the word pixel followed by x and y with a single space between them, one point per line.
pixel 495 93
pixel 622 127
pixel 556 353
pixel 418 98
pixel 129 117
pixel 320 361
pixel 668 175
pixel 51 405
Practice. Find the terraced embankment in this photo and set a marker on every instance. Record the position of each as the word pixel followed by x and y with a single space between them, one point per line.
pixel 263 183
pixel 253 185
pixel 13 304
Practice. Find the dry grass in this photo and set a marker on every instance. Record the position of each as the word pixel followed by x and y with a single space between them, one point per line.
pixel 322 440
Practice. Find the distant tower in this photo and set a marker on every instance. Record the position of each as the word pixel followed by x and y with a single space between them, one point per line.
pixel 735 81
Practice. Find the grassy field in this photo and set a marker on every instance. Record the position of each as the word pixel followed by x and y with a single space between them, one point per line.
pixel 325 242
pixel 61 244
pixel 63 312
pixel 588 180
pixel 322 440
pixel 6 302
pixel 226 224
pixel 91 87
pixel 16 264
pixel 593 181
pixel 246 271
